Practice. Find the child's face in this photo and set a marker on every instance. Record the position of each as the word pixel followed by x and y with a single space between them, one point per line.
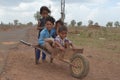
pixel 58 25
pixel 44 13
pixel 63 34
pixel 49 25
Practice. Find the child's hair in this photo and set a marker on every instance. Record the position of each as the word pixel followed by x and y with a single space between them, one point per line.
pixel 60 21
pixel 62 28
pixel 51 19
pixel 44 8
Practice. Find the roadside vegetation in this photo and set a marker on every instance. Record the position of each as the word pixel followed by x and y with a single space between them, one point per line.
pixel 105 38
pixel 15 25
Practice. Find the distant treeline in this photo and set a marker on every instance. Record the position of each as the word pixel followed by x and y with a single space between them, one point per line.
pixel 15 25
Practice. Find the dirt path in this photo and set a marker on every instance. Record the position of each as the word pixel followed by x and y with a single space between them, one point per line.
pixel 9 40
pixel 21 66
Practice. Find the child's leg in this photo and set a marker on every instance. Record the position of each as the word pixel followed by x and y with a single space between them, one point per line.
pixel 43 56
pixel 61 56
pixel 67 45
pixel 37 55
pixel 49 48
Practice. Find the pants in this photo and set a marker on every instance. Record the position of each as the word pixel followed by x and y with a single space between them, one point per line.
pixel 37 53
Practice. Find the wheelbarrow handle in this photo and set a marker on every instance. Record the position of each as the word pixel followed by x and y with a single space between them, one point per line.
pixel 26 43
pixel 33 46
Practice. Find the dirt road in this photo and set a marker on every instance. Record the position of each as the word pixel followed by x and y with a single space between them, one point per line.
pixel 21 66
pixel 9 40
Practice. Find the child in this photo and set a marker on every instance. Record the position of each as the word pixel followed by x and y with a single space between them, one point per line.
pixel 44 12
pixel 58 24
pixel 61 40
pixel 46 33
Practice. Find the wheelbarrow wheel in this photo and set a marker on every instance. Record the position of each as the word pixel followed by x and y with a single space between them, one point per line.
pixel 79 67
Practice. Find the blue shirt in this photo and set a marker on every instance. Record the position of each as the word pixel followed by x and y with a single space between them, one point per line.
pixel 45 34
pixel 54 35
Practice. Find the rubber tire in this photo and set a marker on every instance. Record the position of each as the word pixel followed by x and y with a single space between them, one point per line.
pixel 85 70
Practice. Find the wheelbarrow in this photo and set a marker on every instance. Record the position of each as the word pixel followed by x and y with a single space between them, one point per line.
pixel 79 65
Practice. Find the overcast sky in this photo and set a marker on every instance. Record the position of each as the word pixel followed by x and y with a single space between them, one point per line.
pixel 100 11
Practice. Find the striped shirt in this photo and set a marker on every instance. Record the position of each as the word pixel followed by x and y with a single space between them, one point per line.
pixel 62 41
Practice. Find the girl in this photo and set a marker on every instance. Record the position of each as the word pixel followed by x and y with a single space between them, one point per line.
pixel 44 12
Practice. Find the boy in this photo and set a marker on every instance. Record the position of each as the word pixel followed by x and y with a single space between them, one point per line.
pixel 44 12
pixel 58 24
pixel 61 40
pixel 47 33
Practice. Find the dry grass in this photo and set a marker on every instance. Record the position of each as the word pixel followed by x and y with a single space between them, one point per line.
pixel 12 27
pixel 103 38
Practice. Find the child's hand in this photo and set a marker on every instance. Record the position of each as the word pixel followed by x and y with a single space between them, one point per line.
pixel 62 48
pixel 50 40
pixel 73 47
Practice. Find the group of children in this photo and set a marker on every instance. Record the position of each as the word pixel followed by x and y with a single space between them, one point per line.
pixel 51 34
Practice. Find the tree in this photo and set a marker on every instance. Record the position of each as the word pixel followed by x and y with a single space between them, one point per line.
pixel 30 24
pixel 37 15
pixel 79 23
pixel 90 22
pixel 109 24
pixel 1 23
pixel 96 24
pixel 15 22
pixel 73 22
pixel 116 24
pixel 20 24
pixel 10 24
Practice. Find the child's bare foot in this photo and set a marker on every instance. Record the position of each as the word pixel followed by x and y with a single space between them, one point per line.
pixel 37 62
pixel 51 60
pixel 44 61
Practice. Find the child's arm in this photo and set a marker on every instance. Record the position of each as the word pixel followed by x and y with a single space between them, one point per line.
pixel 41 39
pixel 39 25
pixel 49 40
pixel 72 45
pixel 59 45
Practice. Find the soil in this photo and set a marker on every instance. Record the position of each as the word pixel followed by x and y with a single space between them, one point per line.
pixel 20 62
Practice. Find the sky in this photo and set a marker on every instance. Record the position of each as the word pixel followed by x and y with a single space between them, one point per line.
pixel 100 11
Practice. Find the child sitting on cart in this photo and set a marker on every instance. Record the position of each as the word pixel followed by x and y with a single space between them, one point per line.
pixel 61 41
pixel 46 34
pixel 58 24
